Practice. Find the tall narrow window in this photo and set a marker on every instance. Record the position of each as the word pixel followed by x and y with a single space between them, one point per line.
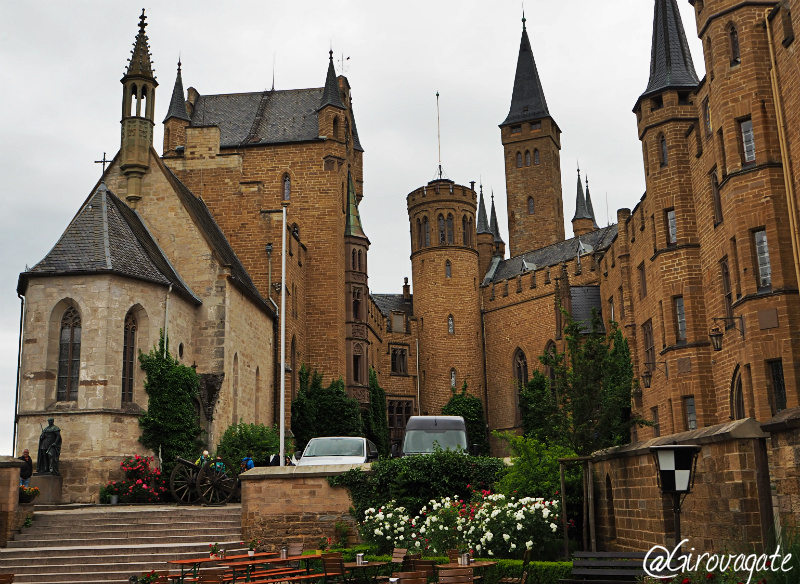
pixel 672 228
pixel 527 158
pixel 736 55
pixel 649 345
pixel 748 144
pixel 448 269
pixel 451 325
pixel 359 261
pixel 642 281
pixel 427 229
pixel 707 118
pixel 451 239
pixel 764 275
pixel 465 230
pixel 611 315
pixel 356 368
pixel 519 159
pixel 680 319
pixel 442 232
pixel 691 413
pixel 663 151
pixel 716 199
pixel 727 291
pixel 420 235
pixel 128 357
pixel 353 260
pixel 356 304
pixel 399 361
pixel 656 425
pixel 69 356
pixel 287 187
pixel 453 378
pixel 530 206
pixel 520 368
pixel 778 385
pixel 536 157
pixel 737 397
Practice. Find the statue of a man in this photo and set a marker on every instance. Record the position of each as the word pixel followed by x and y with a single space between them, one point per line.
pixel 49 449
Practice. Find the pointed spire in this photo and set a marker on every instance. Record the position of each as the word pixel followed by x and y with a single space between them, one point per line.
pixel 493 226
pixel 353 223
pixel 671 63
pixel 330 94
pixel 581 212
pixel 177 105
pixel 527 100
pixel 589 204
pixel 140 55
pixel 483 223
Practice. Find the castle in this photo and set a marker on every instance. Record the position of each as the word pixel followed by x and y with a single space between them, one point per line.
pixel 699 275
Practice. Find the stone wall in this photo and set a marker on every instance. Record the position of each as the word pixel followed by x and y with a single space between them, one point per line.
pixel 290 504
pixel 784 459
pixel 12 514
pixel 730 507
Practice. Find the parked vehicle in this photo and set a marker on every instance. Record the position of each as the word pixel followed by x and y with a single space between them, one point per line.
pixel 425 433
pixel 337 450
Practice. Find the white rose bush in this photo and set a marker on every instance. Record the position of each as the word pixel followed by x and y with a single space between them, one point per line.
pixel 491 525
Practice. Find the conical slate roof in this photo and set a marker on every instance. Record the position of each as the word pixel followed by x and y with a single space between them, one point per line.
pixel 140 55
pixel 671 63
pixel 483 222
pixel 589 206
pixel 581 211
pixel 527 99
pixel 177 105
pixel 493 226
pixel 330 94
pixel 353 225
pixel 107 236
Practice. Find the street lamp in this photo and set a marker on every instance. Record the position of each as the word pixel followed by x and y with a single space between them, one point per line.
pixel 647 374
pixel 730 321
pixel 676 465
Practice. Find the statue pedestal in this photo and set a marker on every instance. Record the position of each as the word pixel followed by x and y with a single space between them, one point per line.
pixel 49 488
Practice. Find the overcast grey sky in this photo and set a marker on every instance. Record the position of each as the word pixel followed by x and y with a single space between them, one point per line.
pixel 61 62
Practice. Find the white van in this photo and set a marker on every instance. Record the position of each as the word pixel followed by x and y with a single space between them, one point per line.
pixel 337 450
pixel 424 433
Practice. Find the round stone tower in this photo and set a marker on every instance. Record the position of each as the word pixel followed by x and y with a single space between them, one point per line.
pixel 444 264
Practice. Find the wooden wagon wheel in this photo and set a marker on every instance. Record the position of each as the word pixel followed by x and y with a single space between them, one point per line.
pixel 183 482
pixel 217 482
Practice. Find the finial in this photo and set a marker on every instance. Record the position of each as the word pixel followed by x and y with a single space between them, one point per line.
pixel 492 196
pixel 330 55
pixel 579 168
pixel 587 181
pixel 523 17
pixel 179 62
pixel 142 22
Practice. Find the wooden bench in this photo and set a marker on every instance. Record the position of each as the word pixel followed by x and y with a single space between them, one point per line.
pixel 606 568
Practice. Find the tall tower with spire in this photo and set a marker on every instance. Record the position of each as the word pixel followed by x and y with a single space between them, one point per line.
pixel 532 147
pixel 138 104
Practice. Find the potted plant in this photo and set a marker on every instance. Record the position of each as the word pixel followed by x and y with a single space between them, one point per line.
pixel 150 578
pixel 252 545
pixel 213 552
pixel 28 494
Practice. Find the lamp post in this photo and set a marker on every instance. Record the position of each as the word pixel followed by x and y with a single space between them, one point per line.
pixel 676 465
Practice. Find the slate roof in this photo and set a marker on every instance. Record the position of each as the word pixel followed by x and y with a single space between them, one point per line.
pixel 352 225
pixel 388 303
pixel 483 222
pixel 108 237
pixel 330 93
pixel 552 255
pixel 527 100
pixel 589 206
pixel 671 64
pixel 494 228
pixel 581 211
pixel 177 105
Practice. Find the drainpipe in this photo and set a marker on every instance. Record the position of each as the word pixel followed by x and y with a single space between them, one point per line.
pixel 419 404
pixel 19 373
pixel 166 319
pixel 787 173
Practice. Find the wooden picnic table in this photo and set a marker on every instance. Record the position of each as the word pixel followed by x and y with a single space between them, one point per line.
pixel 247 562
pixel 480 564
pixel 355 566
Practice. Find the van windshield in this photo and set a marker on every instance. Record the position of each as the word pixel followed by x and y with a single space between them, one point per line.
pixel 335 447
pixel 422 441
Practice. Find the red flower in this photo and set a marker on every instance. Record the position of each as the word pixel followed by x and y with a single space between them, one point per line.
pixel 686 581
pixel 710 576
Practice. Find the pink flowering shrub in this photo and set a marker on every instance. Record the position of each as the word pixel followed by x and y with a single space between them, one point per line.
pixel 143 482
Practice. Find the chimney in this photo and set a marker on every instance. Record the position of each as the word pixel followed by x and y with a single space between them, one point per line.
pixel 406 290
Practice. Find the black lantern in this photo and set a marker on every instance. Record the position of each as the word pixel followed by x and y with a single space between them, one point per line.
pixel 676 465
pixel 716 338
pixel 647 378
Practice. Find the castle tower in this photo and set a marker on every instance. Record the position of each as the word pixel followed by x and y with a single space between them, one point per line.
pixel 532 148
pixel 444 264
pixel 485 239
pixel 138 104
pixel 583 221
pixel 357 291
pixel 177 119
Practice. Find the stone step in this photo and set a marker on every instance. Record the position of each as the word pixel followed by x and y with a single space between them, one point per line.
pixel 138 516
pixel 110 522
pixel 124 557
pixel 227 531
pixel 182 549
pixel 143 539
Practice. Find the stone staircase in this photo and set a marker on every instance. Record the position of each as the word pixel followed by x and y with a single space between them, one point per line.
pixel 94 544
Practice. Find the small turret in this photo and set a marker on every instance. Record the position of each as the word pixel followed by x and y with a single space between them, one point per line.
pixel 499 244
pixel 138 104
pixel 177 118
pixel 589 206
pixel 583 221
pixel 485 239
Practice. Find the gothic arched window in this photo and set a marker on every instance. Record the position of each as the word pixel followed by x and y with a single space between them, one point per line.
pixel 427 229
pixel 287 187
pixel 448 269
pixel 450 234
pixel 353 261
pixel 359 261
pixel 527 158
pixel 737 396
pixel 69 355
pixel 451 325
pixel 520 368
pixel 420 235
pixel 128 356
pixel 530 206
pixel 442 232
pixel 536 157
pixel 465 229
pixel 736 55
pixel 663 150
pixel 519 160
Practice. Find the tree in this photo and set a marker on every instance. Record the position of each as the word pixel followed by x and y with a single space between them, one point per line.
pixel 586 402
pixel 376 421
pixel 470 408
pixel 170 427
pixel 257 440
pixel 323 411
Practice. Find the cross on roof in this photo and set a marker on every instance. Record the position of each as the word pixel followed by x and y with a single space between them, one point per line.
pixel 103 162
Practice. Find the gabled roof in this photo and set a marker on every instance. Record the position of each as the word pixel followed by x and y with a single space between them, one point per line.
pixel 108 237
pixel 388 303
pixel 527 99
pixel 671 64
pixel 177 105
pixel 554 254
